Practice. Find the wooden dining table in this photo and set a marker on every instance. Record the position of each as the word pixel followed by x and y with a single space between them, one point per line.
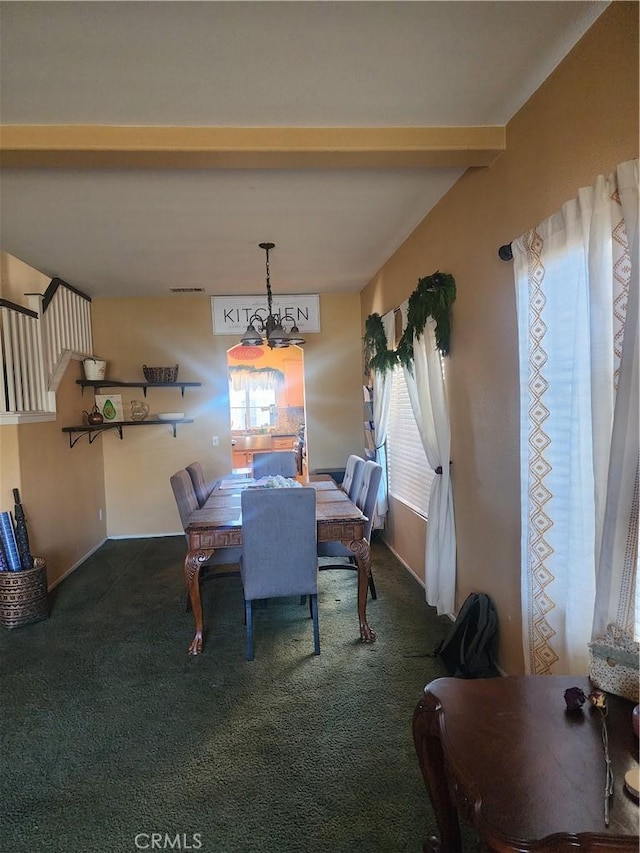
pixel 506 756
pixel 218 524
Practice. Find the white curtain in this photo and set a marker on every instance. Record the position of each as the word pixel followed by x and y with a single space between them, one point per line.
pixel 576 296
pixel 425 385
pixel 381 407
pixel 256 378
pixel 617 486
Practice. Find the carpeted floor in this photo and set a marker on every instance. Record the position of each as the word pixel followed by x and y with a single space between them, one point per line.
pixel 111 732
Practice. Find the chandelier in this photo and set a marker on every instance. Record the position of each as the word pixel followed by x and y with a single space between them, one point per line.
pixel 270 330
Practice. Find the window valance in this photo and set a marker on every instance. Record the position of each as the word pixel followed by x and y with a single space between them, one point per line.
pixel 256 378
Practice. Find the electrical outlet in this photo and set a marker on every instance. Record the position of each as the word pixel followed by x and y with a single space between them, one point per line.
pixel 100 514
pixel 215 440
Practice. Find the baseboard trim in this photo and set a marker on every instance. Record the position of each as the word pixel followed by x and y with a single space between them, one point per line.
pixel 100 544
pixel 449 616
pixel 146 535
pixel 400 560
pixel 78 563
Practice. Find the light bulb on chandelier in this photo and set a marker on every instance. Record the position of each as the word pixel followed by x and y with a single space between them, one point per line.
pixel 270 330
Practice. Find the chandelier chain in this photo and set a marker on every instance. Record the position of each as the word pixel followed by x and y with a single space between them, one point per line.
pixel 272 324
pixel 268 280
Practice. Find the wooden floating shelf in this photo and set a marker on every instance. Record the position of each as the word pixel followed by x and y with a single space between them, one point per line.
pixel 94 431
pixel 114 383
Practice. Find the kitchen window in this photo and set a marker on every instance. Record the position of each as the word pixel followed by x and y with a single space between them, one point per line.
pixel 252 408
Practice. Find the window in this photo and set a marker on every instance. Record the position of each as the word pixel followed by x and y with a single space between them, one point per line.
pixel 252 408
pixel 410 475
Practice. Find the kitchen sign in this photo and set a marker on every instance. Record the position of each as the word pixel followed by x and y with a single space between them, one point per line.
pixel 231 314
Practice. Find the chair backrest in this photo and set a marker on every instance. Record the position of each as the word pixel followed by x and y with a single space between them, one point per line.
pixel 272 463
pixel 185 495
pixel 368 495
pixel 202 490
pixel 352 480
pixel 279 533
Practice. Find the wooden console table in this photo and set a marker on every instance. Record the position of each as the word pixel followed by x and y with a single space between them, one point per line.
pixel 505 754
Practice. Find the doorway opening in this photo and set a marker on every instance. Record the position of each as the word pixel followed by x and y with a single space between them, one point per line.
pixel 266 404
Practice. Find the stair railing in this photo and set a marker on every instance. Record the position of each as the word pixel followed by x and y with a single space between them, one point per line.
pixel 36 345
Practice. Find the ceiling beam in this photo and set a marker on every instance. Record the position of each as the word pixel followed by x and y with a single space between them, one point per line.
pixel 107 146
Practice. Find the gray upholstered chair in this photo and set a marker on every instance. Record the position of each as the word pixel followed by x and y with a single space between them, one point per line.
pixel 352 479
pixel 185 495
pixel 187 502
pixel 273 463
pixel 200 485
pixel 365 500
pixel 279 536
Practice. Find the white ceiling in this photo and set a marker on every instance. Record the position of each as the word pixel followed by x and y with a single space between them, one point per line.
pixel 126 231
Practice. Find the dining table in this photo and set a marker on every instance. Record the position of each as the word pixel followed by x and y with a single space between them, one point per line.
pixel 218 525
pixel 508 757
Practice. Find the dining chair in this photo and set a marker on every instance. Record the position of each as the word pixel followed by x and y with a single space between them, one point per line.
pixel 274 463
pixel 365 500
pixel 200 485
pixel 279 542
pixel 187 502
pixel 352 479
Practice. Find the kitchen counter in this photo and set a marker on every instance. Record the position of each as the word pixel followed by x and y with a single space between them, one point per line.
pixel 244 446
pixel 264 441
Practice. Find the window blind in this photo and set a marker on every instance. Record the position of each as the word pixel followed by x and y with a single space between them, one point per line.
pixel 410 475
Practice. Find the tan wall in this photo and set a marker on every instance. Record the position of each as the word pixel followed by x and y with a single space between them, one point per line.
pixel 18 278
pixel 580 123
pixel 169 330
pixel 62 487
pixel 62 490
pixel 333 384
pixel 9 464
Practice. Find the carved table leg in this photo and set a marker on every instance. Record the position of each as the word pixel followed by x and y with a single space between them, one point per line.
pixel 362 552
pixel 426 738
pixel 192 565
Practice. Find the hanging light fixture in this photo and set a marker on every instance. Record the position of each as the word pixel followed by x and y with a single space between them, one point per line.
pixel 272 327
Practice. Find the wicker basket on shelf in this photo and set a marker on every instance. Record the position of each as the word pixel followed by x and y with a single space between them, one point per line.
pixel 160 374
pixel 23 595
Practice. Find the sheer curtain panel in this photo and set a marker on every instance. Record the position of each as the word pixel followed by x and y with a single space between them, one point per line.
pixel 425 384
pixel 577 304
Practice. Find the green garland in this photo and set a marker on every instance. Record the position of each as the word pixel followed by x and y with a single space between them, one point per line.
pixel 433 297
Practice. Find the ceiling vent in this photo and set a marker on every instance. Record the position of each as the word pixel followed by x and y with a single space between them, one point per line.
pixel 186 289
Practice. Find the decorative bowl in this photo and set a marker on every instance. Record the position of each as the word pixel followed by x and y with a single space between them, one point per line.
pixel 171 416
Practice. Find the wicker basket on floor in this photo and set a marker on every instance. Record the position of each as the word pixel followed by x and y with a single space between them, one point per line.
pixel 23 595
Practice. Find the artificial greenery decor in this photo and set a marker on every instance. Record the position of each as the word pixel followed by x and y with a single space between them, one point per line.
pixel 377 355
pixel 433 297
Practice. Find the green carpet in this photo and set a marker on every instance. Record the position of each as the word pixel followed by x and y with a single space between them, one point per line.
pixel 111 732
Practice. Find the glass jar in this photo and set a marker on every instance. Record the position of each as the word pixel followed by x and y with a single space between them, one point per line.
pixel 139 410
